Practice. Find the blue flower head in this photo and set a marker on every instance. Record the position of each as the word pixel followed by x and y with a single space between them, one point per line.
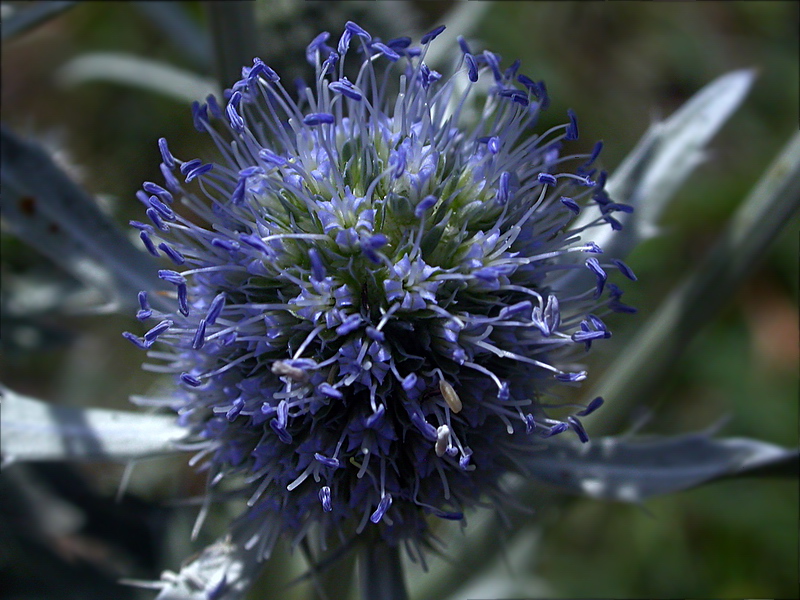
pixel 368 325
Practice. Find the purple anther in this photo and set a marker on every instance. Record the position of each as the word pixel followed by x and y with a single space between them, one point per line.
pixel 463 462
pixel 591 407
pixel 215 309
pixel 330 62
pixel 145 312
pixel 172 277
pixel 552 314
pixel 270 157
pixel 432 34
pixel 260 68
pixel 190 165
pixel 198 171
pixel 138 342
pixel 586 335
pixel 530 423
pixel 283 413
pixel 164 211
pixel 472 67
pixel 577 427
pixel 383 506
pixel 328 462
pixel 154 188
pixel 598 147
pixel 229 245
pixel 542 95
pixel 344 42
pixel 280 430
pixel 399 43
pixel 503 394
pixel 200 335
pixel 199 116
pixel 514 309
pixel 555 430
pixel 546 178
pixel 376 417
pixel 345 88
pixel 375 334
pixel 326 389
pixel 183 299
pixel 572 128
pixel 409 382
pixel 169 179
pixel 428 431
pixel 463 45
pixel 503 188
pixel 571 377
pixel 166 155
pixel 325 498
pixel 515 95
pixel 314 119
pixel 594 266
pixel 254 241
pixel 350 324
pixel 624 269
pixel 213 106
pixel 148 243
pixel 493 60
pixel 493 144
pixel 570 204
pixel 388 52
pixel 597 323
pixel 152 213
pixel 371 244
pixel 190 380
pixel 511 71
pixel 172 254
pixel 237 196
pixel 529 83
pixel 317 45
pixel 424 204
pixel 317 267
pixel 623 208
pixel 592 248
pixel 234 410
pixel 156 331
pixel 356 29
pixel 236 121
pixel 141 226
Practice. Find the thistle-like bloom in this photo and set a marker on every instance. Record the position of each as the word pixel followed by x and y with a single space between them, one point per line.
pixel 368 322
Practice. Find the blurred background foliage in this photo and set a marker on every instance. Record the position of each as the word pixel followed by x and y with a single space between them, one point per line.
pixel 619 66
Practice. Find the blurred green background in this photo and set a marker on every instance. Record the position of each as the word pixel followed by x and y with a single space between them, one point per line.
pixel 620 66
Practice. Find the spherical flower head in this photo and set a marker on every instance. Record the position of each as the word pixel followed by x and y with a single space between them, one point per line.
pixel 368 326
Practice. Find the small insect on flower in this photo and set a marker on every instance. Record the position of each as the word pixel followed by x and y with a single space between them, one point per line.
pixel 368 326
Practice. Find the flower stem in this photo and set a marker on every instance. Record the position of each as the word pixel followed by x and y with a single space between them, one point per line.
pixel 381 572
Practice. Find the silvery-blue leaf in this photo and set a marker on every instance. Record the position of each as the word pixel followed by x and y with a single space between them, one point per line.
pixel 631 470
pixel 127 69
pixel 224 570
pixel 42 206
pixel 34 430
pixel 761 216
pixel 666 155
pixel 651 174
pixel 19 20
